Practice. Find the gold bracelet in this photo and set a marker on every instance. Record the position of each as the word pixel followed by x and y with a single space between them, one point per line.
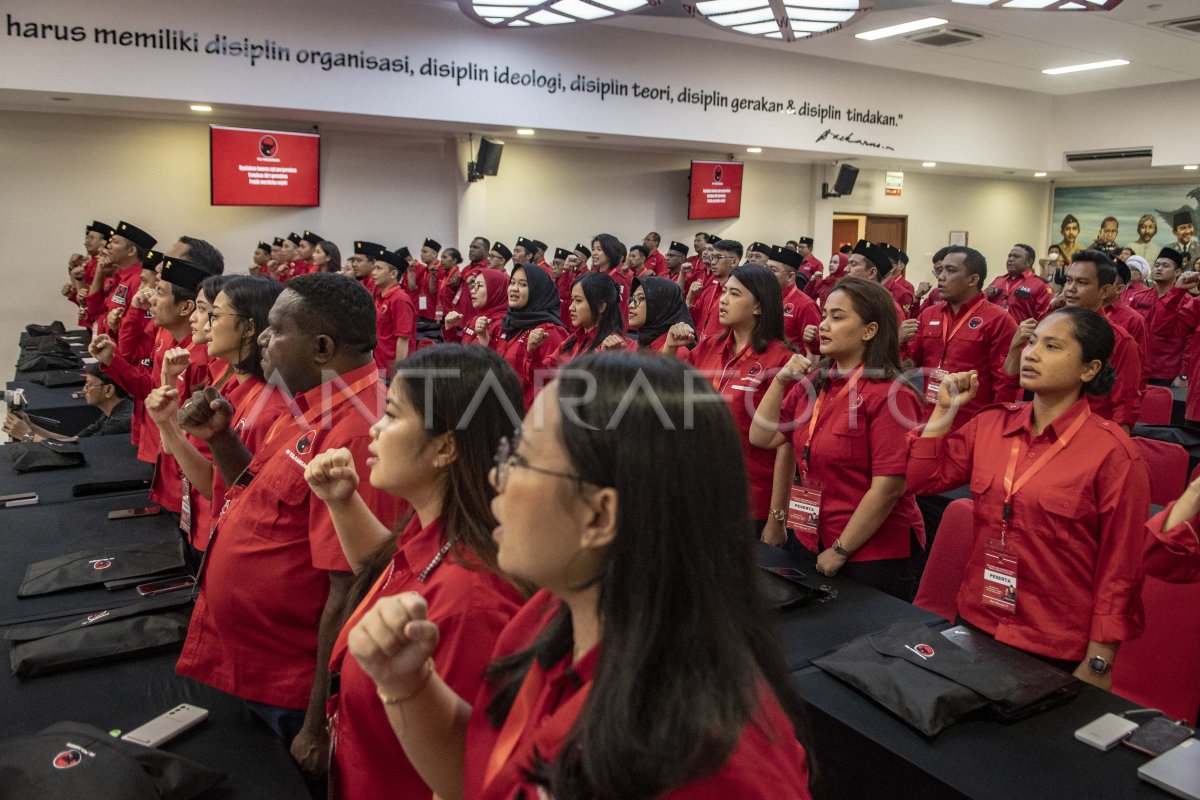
pixel 390 700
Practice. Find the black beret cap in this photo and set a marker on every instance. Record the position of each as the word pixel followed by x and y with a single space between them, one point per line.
pixel 528 244
pixel 1173 255
pixel 502 249
pixel 806 240
pixel 403 253
pixel 561 253
pixel 278 242
pixel 395 259
pixel 312 238
pixel 873 253
pixel 294 237
pixel 787 256
pixel 264 246
pixel 369 249
pixel 677 247
pixel 1181 218
pixel 152 260
pixel 759 247
pixel 539 245
pixel 433 244
pixel 136 235
pixel 101 228
pixel 183 274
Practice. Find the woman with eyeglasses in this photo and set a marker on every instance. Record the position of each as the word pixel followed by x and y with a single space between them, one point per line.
pixel 432 448
pixel 532 307
pixel 489 298
pixel 641 669
pixel 595 315
pixel 655 306
pixel 740 363
pixel 238 317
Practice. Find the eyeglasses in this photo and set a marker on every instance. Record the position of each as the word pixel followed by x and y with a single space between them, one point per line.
pixel 717 258
pixel 636 301
pixel 507 458
pixel 213 316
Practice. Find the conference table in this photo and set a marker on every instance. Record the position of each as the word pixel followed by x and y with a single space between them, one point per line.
pixel 59 409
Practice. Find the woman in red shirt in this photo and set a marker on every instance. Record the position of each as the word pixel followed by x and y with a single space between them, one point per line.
pixel 1061 497
pixel 1173 544
pixel 740 363
pixel 642 669
pixel 532 306
pixel 595 314
pixel 489 298
pixel 847 421
pixel 608 256
pixel 431 448
pixel 655 305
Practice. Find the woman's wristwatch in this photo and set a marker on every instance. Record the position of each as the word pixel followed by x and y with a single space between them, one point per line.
pixel 778 514
pixel 841 551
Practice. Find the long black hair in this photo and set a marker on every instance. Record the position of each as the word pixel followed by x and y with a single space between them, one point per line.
pixel 251 297
pixel 687 641
pixel 604 299
pixel 768 325
pixel 1096 339
pixel 612 247
pixel 881 353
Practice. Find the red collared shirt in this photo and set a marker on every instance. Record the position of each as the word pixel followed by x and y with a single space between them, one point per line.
pixel 395 319
pixel 569 349
pixel 1134 324
pixel 799 311
pixel 811 266
pixel 858 436
pixel 1140 298
pixel 457 296
pixel 657 262
pixel 705 310
pixel 933 298
pixel 981 343
pixel 1076 526
pixel 423 301
pixel 624 280
pixel 1173 554
pixel 471 606
pixel 742 378
pixel 767 763
pixel 517 355
pixel 1024 296
pixel 124 283
pixel 903 293
pixel 254 629
pixel 1172 320
pixel 1123 404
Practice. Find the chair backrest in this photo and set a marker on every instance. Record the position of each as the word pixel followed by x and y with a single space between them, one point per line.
pixel 947 562
pixel 1157 403
pixel 1161 668
pixel 1168 464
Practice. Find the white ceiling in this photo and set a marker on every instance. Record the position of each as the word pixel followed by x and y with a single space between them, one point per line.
pixel 1018 44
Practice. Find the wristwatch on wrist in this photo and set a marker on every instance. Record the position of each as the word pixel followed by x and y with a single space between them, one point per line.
pixel 1099 665
pixel 1183 378
pixel 778 514
pixel 841 551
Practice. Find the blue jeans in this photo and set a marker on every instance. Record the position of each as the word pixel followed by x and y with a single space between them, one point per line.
pixel 284 722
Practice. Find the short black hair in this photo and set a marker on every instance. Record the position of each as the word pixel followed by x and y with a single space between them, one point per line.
pixel 975 263
pixel 641 248
pixel 729 246
pixel 487 245
pixel 213 286
pixel 453 253
pixel 204 255
pixel 336 306
pixel 940 254
pixel 1030 253
pixel 1106 273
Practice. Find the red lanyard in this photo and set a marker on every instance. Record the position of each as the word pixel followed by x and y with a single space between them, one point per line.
pixel 732 363
pixel 851 382
pixel 946 337
pixel 1011 487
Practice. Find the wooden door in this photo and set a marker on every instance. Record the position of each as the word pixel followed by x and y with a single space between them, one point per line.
pixel 893 230
pixel 844 231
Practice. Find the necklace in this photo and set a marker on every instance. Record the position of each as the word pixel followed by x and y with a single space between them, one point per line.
pixel 441 554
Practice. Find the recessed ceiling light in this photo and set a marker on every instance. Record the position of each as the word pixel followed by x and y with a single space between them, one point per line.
pixel 1039 174
pixel 1116 62
pixel 896 30
pixel 759 150
pixel 928 163
pixel 1049 5
pixel 525 131
pixel 1192 166
pixel 540 13
pixel 200 108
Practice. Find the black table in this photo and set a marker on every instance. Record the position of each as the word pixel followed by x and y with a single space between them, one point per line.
pixel 35 533
pixel 864 751
pixel 808 632
pixel 72 414
pixel 109 458
pixel 124 695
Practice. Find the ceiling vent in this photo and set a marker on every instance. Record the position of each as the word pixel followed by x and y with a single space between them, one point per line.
pixel 1190 26
pixel 945 37
pixel 1103 160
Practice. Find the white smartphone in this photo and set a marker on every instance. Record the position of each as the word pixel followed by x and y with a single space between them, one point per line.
pixel 166 727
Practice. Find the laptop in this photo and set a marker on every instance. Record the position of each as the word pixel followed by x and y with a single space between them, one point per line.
pixel 1176 771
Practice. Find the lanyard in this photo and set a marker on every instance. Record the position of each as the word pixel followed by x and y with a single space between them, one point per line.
pixel 947 336
pixel 1011 487
pixel 851 382
pixel 731 363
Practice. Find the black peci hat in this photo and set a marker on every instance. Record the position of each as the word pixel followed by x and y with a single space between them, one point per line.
pixel 501 249
pixel 369 249
pixel 183 274
pixel 136 235
pixel 677 247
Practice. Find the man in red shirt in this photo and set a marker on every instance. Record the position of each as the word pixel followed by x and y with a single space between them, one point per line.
pixel 539 254
pixel 799 310
pixel 704 301
pixel 95 239
pixel 654 261
pixel 699 265
pixel 1121 314
pixel 810 265
pixel 498 257
pixel 304 250
pixel 1171 319
pixel 275 578
pixel 444 280
pixel 524 252
pixel 125 250
pixel 676 257
pixel 923 293
pixel 395 318
pixel 1138 295
pixel 477 252
pixel 260 259
pixel 897 283
pixel 635 261
pixel 1020 292
pixel 961 333
pixel 416 282
pixel 363 262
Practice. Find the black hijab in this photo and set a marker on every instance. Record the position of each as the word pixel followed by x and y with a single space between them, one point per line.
pixel 664 307
pixel 543 306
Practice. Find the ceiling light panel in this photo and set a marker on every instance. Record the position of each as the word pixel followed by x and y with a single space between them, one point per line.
pixel 782 20
pixel 1045 5
pixel 547 13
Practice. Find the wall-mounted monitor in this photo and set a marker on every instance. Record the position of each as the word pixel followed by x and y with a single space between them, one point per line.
pixel 716 190
pixel 253 167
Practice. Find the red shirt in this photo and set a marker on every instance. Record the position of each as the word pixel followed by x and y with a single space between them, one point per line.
pixel 742 378
pixel 254 628
pixel 299 267
pixel 858 436
pixel 1024 296
pixel 423 300
pixel 368 283
pixel 767 763
pixel 1123 404
pixel 933 298
pixel 976 338
pixel 569 349
pixel 699 271
pixel 454 295
pixel 1172 320
pixel 656 262
pixel 706 310
pixel 624 280
pixel 1140 298
pixel 811 265
pixel 517 355
pixel 125 284
pixel 564 282
pixel 1134 324
pixel 799 311
pixel 394 320
pixel 1173 554
pixel 1076 526
pixel 902 291
pixel 470 604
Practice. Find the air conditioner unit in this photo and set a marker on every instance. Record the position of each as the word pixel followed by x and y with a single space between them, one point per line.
pixel 1104 160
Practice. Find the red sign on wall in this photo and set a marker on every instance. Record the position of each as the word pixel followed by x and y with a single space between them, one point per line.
pixel 264 168
pixel 716 191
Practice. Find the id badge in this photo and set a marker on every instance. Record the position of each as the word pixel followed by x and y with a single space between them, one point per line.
pixel 933 384
pixel 804 512
pixel 999 577
pixel 423 303
pixel 185 508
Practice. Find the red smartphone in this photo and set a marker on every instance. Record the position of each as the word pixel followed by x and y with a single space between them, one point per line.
pixel 133 513
pixel 169 585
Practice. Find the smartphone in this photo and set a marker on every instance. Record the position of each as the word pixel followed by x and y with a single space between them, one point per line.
pixel 165 727
pixel 791 573
pixel 1158 736
pixel 133 513
pixel 18 499
pixel 164 586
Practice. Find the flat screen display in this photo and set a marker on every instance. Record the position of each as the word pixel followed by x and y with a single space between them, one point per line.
pixel 264 168
pixel 716 191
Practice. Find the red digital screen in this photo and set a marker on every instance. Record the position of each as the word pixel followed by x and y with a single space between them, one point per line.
pixel 716 190
pixel 264 168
